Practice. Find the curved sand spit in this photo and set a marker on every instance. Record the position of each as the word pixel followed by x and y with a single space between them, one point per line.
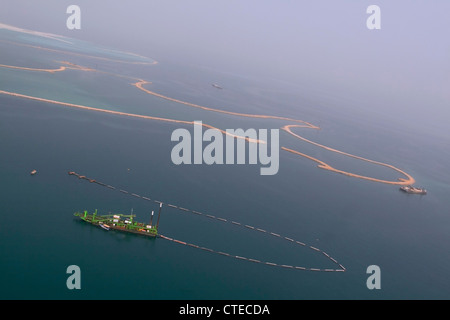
pixel 323 165
pixel 83 54
pixel 66 104
pixel 140 85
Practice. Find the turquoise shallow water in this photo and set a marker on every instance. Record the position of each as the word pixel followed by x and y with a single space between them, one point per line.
pixel 360 223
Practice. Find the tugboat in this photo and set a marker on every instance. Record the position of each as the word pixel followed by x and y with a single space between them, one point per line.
pixel 413 190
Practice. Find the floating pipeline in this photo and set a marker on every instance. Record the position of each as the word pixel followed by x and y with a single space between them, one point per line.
pixel 339 266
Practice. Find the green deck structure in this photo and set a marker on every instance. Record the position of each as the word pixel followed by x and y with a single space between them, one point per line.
pixel 119 222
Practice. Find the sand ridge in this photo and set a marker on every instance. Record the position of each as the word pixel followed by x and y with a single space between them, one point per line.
pixel 287 128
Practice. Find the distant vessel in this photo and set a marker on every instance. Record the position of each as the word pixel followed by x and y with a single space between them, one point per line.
pixel 33 172
pixel 216 86
pixel 413 190
pixel 120 222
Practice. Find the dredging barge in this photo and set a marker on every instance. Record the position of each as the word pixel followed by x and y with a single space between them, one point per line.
pixel 120 222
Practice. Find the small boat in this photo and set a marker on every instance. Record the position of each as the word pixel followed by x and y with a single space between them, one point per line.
pixel 413 190
pixel 216 86
pixel 33 172
pixel 104 226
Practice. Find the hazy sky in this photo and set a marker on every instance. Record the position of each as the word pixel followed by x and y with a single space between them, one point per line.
pixel 402 68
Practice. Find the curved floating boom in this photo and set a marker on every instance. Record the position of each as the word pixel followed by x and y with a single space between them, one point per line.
pixel 222 220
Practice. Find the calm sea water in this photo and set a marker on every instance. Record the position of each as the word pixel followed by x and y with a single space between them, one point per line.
pixel 359 223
